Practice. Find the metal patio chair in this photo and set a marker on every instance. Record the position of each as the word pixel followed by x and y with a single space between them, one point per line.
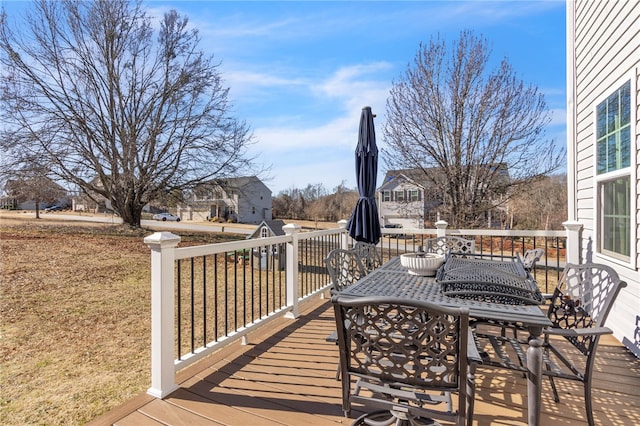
pixel 406 357
pixel 450 244
pixel 344 267
pixel 369 255
pixel 578 309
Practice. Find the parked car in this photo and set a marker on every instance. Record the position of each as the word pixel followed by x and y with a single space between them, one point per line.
pixel 53 209
pixel 166 216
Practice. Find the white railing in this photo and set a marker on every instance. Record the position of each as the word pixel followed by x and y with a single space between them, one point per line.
pixel 183 276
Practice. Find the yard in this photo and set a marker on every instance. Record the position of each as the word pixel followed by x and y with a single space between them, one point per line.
pixel 75 309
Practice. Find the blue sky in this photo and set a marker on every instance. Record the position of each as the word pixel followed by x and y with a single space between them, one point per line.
pixel 299 73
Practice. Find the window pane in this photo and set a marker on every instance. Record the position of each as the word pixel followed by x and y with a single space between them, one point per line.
pixel 601 115
pixel 602 156
pixel 625 147
pixel 625 104
pixel 613 143
pixel 611 153
pixel 615 233
pixel 612 112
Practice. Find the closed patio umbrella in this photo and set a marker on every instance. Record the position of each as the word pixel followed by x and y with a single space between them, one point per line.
pixel 364 225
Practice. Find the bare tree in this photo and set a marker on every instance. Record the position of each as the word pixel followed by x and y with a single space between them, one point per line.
pixel 33 185
pixel 543 205
pixel 111 106
pixel 448 112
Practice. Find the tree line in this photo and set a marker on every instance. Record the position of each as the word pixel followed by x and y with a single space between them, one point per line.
pixel 540 205
pixel 315 202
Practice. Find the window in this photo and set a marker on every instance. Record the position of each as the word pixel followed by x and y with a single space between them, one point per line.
pixel 264 232
pixel 414 195
pixel 386 195
pixel 613 173
pixel 399 195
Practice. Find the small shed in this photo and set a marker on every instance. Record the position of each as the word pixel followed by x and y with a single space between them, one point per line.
pixel 272 255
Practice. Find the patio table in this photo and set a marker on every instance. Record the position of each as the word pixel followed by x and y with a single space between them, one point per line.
pixel 393 280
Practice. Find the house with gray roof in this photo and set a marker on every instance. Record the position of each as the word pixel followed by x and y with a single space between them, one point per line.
pixel 241 199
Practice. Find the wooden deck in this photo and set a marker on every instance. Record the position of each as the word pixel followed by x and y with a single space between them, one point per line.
pixel 287 377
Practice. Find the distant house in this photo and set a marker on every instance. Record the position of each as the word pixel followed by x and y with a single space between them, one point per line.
pixel 408 199
pixel 241 199
pixel 603 142
pixel 24 194
pixel 96 203
pixel 404 199
pixel 273 254
pixel 268 228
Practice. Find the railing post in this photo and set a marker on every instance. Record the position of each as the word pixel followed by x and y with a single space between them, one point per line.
pixel 441 227
pixel 344 236
pixel 292 230
pixel 163 374
pixel 574 229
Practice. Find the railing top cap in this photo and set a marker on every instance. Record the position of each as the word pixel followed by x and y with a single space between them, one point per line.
pixel 291 228
pixel 162 238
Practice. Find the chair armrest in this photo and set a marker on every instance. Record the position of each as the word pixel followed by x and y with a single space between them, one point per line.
pixel 473 356
pixel 593 331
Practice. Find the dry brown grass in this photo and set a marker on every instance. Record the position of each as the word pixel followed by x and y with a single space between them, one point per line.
pixel 75 313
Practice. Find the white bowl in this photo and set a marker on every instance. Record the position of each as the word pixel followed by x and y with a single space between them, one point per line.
pixel 423 264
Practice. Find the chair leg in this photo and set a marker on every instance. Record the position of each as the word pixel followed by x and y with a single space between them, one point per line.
pixel 471 394
pixel 587 402
pixel 556 397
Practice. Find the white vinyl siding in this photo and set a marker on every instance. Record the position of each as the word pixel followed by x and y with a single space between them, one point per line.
pixel 604 54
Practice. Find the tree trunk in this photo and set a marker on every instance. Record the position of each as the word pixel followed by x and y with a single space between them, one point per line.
pixel 131 214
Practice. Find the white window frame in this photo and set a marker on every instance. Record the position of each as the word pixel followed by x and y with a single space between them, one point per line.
pixel 386 195
pixel 399 195
pixel 630 172
pixel 264 232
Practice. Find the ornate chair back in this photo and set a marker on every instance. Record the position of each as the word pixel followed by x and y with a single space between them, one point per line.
pixel 404 352
pixel 344 267
pixel 444 245
pixel 369 255
pixel 531 257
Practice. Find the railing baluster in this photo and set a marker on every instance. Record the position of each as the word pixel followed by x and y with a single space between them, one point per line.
pixel 215 296
pixel 193 299
pixel 204 300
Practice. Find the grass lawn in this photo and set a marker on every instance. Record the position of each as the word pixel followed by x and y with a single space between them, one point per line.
pixel 74 318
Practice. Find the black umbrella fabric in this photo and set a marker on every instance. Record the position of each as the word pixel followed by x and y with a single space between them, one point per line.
pixel 364 225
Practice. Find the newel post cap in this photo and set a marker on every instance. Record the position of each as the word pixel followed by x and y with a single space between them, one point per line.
pixel 441 224
pixel 162 240
pixel 291 228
